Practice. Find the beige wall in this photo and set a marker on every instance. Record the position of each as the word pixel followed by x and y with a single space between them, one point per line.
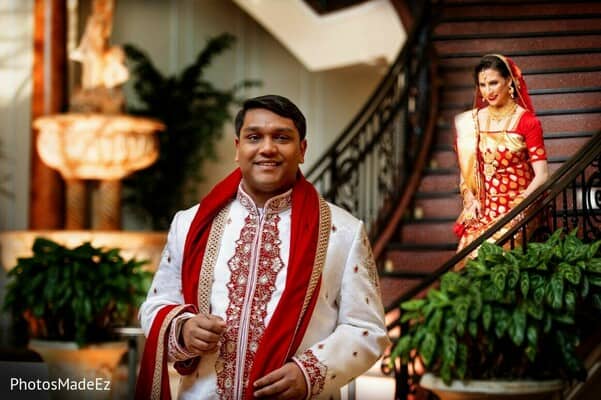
pixel 16 57
pixel 173 32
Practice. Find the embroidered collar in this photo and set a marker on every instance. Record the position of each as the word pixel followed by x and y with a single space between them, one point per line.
pixel 274 205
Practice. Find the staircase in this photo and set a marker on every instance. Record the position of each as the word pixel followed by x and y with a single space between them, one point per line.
pixel 557 44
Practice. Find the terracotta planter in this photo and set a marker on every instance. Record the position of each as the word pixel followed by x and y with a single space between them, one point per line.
pixel 81 372
pixel 492 389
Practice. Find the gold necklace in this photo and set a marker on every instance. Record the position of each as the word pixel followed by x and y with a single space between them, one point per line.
pixel 498 113
pixel 489 155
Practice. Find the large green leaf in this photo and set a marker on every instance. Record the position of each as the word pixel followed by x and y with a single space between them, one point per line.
pixel 499 277
pixel 519 325
pixel 554 291
pixel 594 265
pixel 535 310
pixel 413 305
pixel 532 335
pixel 513 276
pixel 538 295
pixel 570 300
pixel 446 373
pixel 502 320
pixel 449 349
pixel 409 316
pixel 584 289
pixel 525 284
pixel 435 320
pixel 570 272
pixel 476 302
pixel 461 307
pixel 402 348
pixel 428 348
pixel 486 316
pixel 594 280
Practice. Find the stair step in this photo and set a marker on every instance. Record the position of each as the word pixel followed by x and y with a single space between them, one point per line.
pixel 443 158
pixel 567 100
pixel 439 183
pixel 445 137
pixel 443 207
pixel 564 80
pixel 513 10
pixel 463 80
pixel 564 147
pixel 393 288
pixel 494 45
pixel 546 25
pixel 556 163
pixel 417 261
pixel 516 35
pixel 571 123
pixel 529 63
pixel 429 231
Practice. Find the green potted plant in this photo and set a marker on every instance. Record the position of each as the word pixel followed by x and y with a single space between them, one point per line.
pixel 71 300
pixel 194 112
pixel 79 294
pixel 508 315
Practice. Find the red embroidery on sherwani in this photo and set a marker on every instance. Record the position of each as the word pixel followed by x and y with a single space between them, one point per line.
pixel 315 370
pixel 368 261
pixel 254 269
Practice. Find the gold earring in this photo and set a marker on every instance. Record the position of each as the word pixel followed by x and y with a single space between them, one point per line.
pixel 511 91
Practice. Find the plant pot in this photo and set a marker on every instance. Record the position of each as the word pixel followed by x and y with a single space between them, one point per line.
pixel 492 389
pixel 80 372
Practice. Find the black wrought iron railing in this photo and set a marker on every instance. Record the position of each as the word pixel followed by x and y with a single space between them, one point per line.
pixel 570 199
pixel 365 170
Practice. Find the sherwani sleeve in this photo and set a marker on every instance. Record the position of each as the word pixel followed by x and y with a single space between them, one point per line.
pixel 359 337
pixel 166 289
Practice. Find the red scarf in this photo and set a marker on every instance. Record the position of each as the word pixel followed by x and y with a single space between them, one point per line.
pixel 291 317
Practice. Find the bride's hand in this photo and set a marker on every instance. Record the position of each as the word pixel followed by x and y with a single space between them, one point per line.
pixel 471 206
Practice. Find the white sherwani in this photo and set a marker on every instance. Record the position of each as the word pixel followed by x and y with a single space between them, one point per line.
pixel 346 333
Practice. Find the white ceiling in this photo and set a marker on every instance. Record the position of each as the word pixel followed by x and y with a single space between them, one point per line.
pixel 368 33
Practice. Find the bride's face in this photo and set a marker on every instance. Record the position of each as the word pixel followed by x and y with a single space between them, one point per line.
pixel 494 88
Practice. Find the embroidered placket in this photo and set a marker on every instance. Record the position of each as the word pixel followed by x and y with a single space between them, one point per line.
pixel 254 266
pixel 246 312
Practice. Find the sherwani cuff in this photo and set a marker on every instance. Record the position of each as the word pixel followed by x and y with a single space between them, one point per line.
pixel 176 351
pixel 305 375
pixel 313 370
